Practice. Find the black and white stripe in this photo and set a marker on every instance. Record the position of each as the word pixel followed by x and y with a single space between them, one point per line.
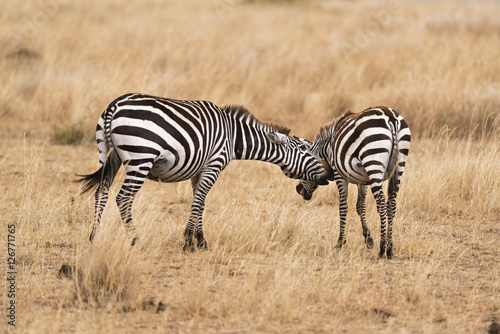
pixel 173 140
pixel 365 149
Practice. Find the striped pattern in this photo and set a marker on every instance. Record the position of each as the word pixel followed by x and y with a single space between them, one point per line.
pixel 365 149
pixel 173 140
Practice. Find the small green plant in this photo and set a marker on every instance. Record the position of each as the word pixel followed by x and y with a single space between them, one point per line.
pixel 68 134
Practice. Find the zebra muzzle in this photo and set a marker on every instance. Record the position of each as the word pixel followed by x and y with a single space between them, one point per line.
pixel 302 192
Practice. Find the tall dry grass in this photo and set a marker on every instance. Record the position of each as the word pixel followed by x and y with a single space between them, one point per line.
pixel 271 264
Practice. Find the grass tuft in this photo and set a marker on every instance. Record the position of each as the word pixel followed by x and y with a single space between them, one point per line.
pixel 108 274
pixel 68 134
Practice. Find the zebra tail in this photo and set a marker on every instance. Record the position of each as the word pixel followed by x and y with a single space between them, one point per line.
pixel 107 172
pixel 108 116
pixel 104 175
pixel 393 160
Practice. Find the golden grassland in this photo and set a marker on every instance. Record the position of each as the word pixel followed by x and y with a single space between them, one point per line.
pixel 271 266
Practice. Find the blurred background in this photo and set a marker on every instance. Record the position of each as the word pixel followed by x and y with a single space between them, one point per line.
pixel 298 63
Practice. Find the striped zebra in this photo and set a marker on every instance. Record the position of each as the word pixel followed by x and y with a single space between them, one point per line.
pixel 365 149
pixel 171 140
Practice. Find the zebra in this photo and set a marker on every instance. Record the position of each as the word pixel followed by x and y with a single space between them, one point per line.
pixel 169 140
pixel 366 148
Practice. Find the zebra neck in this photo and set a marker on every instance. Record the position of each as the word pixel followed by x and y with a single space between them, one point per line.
pixel 323 143
pixel 323 149
pixel 251 143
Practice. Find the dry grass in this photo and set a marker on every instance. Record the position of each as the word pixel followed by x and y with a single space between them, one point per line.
pixel 271 265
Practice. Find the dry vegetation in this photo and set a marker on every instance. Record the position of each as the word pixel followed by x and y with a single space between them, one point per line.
pixel 271 265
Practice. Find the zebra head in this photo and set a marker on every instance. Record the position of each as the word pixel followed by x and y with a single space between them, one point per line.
pixel 299 161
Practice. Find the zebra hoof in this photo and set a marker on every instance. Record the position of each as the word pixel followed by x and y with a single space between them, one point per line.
pixel 134 241
pixel 340 244
pixel 389 253
pixel 369 242
pixel 202 245
pixel 188 247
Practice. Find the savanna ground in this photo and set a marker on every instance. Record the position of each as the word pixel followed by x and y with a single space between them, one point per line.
pixel 271 266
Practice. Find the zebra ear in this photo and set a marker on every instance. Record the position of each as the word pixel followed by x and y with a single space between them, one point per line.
pixel 277 138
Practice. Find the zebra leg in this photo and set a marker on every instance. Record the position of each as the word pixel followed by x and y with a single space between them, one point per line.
pixel 188 235
pixel 343 187
pixel 393 189
pixel 135 176
pixel 378 193
pixel 189 231
pixel 202 183
pixel 101 194
pixel 361 210
pixel 101 197
pixel 391 211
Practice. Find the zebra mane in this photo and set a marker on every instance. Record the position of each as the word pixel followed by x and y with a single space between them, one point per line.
pixel 327 130
pixel 241 113
pixel 344 115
